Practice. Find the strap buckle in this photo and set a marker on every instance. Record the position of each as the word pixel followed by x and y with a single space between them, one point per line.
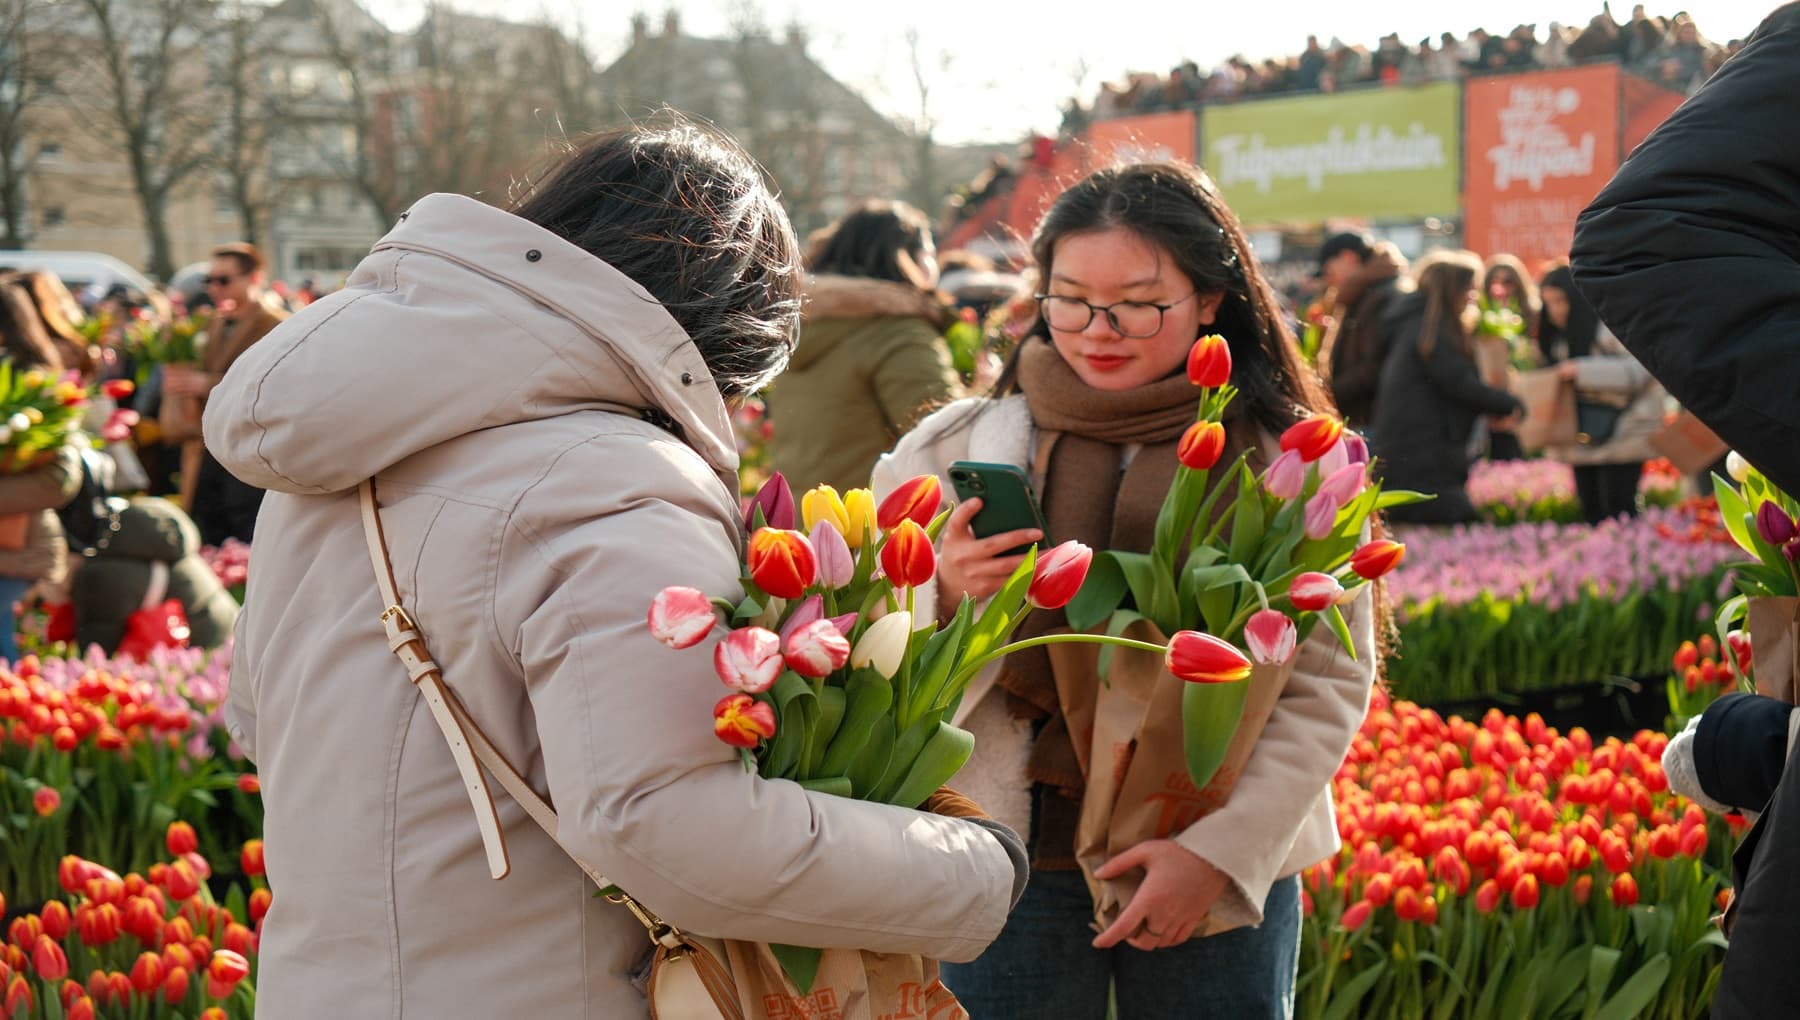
pixel 662 933
pixel 398 618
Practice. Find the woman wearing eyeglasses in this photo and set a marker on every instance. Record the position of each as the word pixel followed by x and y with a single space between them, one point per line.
pixel 1136 263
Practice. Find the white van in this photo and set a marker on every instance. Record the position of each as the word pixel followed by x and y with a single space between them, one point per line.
pixel 79 269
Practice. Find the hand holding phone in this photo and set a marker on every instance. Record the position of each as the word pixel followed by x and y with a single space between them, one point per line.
pixel 1007 502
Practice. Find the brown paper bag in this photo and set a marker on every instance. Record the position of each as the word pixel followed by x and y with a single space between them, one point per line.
pixel 1775 646
pixel 13 530
pixel 1549 409
pixel 1493 359
pixel 851 985
pixel 1138 787
pixel 1689 444
pixel 180 416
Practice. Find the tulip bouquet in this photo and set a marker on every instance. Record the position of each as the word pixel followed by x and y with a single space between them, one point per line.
pixel 1255 569
pixel 1761 520
pixel 151 343
pixel 836 682
pixel 39 413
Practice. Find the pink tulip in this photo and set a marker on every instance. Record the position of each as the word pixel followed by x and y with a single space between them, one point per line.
pixel 681 617
pixel 1286 477
pixel 1321 516
pixel 813 608
pixel 1314 592
pixel 749 660
pixel 1271 637
pixel 817 650
pixel 1335 459
pixel 1059 575
pixel 845 623
pixel 1357 447
pixel 1346 483
pixel 836 567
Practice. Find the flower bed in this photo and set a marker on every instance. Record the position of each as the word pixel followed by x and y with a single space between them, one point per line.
pixel 1486 610
pixel 1507 870
pixel 1524 491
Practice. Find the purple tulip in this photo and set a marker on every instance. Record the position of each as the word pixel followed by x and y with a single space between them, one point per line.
pixel 1774 524
pixel 1357 447
pixel 776 501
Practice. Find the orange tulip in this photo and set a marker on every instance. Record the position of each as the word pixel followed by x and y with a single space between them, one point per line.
pixel 1202 658
pixel 1209 362
pixel 1313 438
pixel 1201 445
pixel 252 859
pixel 181 839
pixel 908 558
pixel 49 960
pixel 742 721
pixel 213 1013
pixel 782 563
pixel 260 902
pixel 1377 558
pixel 916 500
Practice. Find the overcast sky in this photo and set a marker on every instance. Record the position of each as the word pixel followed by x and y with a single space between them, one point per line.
pixel 1001 69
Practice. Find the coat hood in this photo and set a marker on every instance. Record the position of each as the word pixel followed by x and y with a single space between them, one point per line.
pixel 1383 264
pixel 837 306
pixel 464 317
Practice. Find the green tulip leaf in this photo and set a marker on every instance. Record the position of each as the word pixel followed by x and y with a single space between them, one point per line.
pixel 943 756
pixel 1638 992
pixel 907 746
pixel 867 700
pixel 837 786
pixel 1344 1003
pixel 1100 594
pixel 832 705
pixel 798 709
pixel 1734 513
pixel 870 763
pixel 799 964
pixel 1209 717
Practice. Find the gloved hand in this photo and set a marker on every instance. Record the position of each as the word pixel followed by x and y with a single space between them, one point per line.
pixel 1678 766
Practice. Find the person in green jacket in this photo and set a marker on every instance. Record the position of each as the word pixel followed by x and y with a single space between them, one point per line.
pixel 155 545
pixel 871 360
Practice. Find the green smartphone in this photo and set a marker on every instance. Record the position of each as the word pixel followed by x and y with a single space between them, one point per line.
pixel 1007 502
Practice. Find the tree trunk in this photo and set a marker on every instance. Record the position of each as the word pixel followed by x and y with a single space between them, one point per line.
pixel 162 254
pixel 13 231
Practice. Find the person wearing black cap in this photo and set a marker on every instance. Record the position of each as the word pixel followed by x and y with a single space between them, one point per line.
pixel 1364 277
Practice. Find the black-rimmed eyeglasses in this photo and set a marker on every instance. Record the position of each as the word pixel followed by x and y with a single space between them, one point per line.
pixel 1134 320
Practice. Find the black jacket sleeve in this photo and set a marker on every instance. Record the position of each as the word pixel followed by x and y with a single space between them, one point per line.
pixel 1740 749
pixel 1454 374
pixel 1692 253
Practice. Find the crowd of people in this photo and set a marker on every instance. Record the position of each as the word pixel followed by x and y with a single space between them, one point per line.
pixel 1667 50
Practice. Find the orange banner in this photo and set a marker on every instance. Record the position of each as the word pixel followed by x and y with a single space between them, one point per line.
pixel 1146 138
pixel 1538 148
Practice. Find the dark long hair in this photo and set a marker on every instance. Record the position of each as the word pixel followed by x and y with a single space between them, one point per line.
pixel 53 303
pixel 1579 333
pixel 877 241
pixel 1178 208
pixel 1445 279
pixel 684 212
pixel 23 338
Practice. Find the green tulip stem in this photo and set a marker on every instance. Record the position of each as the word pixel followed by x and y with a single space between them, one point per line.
pixel 969 669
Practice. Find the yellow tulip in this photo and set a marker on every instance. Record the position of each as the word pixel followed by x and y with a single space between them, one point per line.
pixel 859 516
pixel 823 504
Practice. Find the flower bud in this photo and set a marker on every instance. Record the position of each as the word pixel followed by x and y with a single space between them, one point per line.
pixel 748 660
pixel 1313 437
pixel 817 650
pixel 742 721
pixel 883 645
pixel 1271 637
pixel 1286 477
pixel 681 617
pixel 1209 362
pixel 1313 592
pixel 1203 658
pixel 916 500
pixel 1059 574
pixel 782 562
pixel 1202 445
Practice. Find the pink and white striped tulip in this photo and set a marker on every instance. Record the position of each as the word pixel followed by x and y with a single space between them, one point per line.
pixel 681 617
pixel 1314 592
pixel 749 660
pixel 1271 637
pixel 817 650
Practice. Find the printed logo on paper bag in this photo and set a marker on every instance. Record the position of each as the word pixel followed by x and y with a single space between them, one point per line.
pixel 922 1002
pixel 1182 804
pixel 820 1005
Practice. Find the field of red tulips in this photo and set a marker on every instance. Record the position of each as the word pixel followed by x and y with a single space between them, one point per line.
pixel 1491 868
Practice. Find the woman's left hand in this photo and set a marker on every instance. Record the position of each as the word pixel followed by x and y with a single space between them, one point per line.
pixel 1179 889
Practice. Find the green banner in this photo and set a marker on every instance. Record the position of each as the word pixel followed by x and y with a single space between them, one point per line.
pixel 1385 153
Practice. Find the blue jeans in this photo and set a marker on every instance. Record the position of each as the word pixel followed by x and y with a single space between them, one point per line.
pixel 12 589
pixel 1044 966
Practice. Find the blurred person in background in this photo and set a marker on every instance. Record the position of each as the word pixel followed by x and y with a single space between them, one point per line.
pixel 1432 393
pixel 220 504
pixel 1365 277
pixel 1509 313
pixel 1619 405
pixel 872 359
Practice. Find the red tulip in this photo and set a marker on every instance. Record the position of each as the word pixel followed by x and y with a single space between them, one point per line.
pixel 782 563
pixel 45 800
pixel 907 558
pixel 1357 915
pixel 1377 558
pixel 1380 889
pixel 224 972
pixel 1665 842
pixel 1313 437
pixel 175 985
pixel 817 650
pixel 55 919
pixel 1487 898
pixel 742 721
pixel 1201 445
pixel 1271 637
pixel 182 883
pixel 118 389
pixel 1686 657
pixel 147 973
pixel 181 839
pixel 64 739
pixel 1202 658
pixel 1693 841
pixel 1209 362
pixel 681 617
pixel 1314 592
pixel 260 901
pixel 239 939
pixel 1624 890
pixel 18 996
pixel 749 660
pixel 1451 870
pixel 49 960
pixel 1407 904
pixel 1059 574
pixel 248 783
pixel 916 500
pixel 251 859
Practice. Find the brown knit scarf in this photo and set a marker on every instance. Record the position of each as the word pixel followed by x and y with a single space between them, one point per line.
pixel 1092 496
